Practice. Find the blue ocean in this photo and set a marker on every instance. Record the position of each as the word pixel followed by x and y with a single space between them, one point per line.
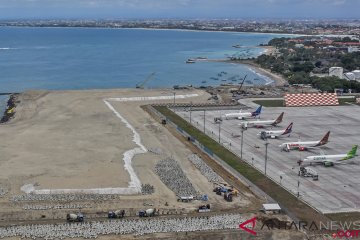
pixel 94 58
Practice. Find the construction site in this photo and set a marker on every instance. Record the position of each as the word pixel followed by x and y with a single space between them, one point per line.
pixel 85 156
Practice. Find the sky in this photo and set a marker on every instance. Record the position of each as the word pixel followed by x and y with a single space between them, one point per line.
pixel 23 9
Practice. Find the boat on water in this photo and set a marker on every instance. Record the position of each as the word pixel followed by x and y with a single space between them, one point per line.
pixel 236 46
pixel 190 60
pixel 227 84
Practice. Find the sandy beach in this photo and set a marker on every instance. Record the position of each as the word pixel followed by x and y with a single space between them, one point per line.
pixel 278 79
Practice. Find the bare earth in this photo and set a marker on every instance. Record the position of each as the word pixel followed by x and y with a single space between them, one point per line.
pixel 71 139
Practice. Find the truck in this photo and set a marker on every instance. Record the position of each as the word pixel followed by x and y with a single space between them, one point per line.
pixel 73 217
pixel 308 172
pixel 204 208
pixel 228 196
pixel 116 214
pixel 147 213
pixel 185 199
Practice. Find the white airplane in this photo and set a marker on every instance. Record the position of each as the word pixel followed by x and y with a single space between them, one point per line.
pixel 330 160
pixel 243 115
pixel 276 134
pixel 303 146
pixel 262 123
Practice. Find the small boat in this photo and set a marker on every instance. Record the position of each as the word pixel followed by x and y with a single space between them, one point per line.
pixel 190 60
pixel 236 46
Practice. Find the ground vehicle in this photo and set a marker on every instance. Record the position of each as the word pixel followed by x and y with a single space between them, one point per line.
pixel 116 214
pixel 308 172
pixel 73 217
pixel 228 196
pixel 204 208
pixel 147 213
pixel 185 199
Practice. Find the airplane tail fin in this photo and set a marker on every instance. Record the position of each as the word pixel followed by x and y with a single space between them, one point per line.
pixel 279 119
pixel 288 129
pixel 257 111
pixel 325 139
pixel 352 152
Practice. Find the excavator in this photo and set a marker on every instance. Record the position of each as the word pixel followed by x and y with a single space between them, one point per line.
pixel 142 84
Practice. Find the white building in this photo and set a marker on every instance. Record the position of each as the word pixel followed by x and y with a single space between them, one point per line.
pixel 353 49
pixel 357 74
pixel 349 76
pixel 336 71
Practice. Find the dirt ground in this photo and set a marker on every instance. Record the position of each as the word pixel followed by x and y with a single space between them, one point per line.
pixel 71 139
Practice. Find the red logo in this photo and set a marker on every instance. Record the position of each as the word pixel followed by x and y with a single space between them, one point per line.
pixel 253 223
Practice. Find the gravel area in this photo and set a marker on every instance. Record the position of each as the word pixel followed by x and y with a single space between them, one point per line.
pixel 174 178
pixel 120 227
pixel 205 169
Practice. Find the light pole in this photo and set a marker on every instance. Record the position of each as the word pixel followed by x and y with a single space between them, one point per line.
pixel 298 187
pixel 219 130
pixel 298 184
pixel 242 142
pixel 266 148
pixel 190 111
pixel 204 120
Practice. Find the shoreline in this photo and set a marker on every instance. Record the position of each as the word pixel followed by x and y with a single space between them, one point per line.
pixel 278 80
pixel 167 29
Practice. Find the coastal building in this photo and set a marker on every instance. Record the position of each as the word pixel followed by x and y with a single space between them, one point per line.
pixel 349 76
pixel 353 49
pixel 336 71
pixel 357 74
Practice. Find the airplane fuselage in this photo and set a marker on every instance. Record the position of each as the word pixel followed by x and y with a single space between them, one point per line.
pixel 247 124
pixel 238 115
pixel 326 160
pixel 297 145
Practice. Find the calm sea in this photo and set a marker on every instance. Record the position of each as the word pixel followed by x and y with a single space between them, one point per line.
pixel 89 58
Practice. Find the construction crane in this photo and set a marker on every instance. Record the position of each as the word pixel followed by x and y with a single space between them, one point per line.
pixel 142 84
pixel 241 84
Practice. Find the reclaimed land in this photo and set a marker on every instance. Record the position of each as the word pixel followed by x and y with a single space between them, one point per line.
pixel 301 210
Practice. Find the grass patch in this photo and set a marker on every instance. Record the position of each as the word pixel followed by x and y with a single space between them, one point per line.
pixel 270 103
pixel 342 217
pixel 280 103
pixel 344 101
pixel 287 200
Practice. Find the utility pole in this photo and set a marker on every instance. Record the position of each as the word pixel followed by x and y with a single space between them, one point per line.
pixel 219 130
pixel 190 111
pixel 242 142
pixel 298 186
pixel 266 149
pixel 204 120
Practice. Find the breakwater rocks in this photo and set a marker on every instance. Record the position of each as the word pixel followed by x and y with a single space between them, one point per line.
pixel 205 169
pixel 10 109
pixel 64 197
pixel 124 226
pixel 147 189
pixel 173 177
pixel 57 206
